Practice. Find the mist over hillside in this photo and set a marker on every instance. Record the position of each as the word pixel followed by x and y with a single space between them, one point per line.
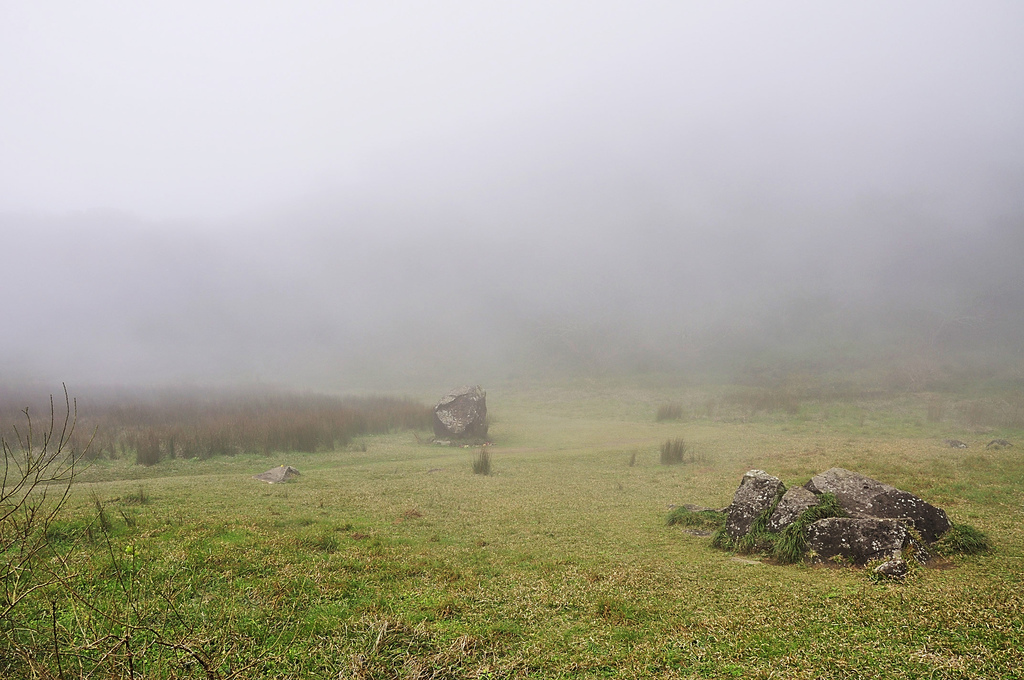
pixel 329 297
pixel 346 198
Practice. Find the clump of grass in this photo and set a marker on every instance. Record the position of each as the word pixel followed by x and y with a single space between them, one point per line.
pixel 482 464
pixel 790 545
pixel 721 539
pixel 758 539
pixel 704 519
pixel 676 451
pixel 673 451
pixel 671 411
pixel 962 539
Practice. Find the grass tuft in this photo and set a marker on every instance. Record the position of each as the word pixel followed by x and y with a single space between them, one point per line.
pixel 671 411
pixel 482 464
pixel 674 452
pixel 721 539
pixel 709 519
pixel 962 539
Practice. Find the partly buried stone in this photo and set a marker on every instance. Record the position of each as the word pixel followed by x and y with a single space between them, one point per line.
pixel 894 569
pixel 281 473
pixel 461 414
pixel 792 505
pixel 863 497
pixel 757 493
pixel 858 540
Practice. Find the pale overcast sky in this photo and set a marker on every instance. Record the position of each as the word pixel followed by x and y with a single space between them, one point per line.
pixel 210 109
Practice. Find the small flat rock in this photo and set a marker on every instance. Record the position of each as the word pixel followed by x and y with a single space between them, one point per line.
pixel 282 473
pixel 895 569
pixel 756 493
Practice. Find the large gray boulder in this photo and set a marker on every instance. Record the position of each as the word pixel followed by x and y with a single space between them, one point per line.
pixel 860 540
pixel 757 492
pixel 461 414
pixel 792 505
pixel 863 497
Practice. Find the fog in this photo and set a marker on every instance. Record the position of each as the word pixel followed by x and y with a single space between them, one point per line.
pixel 398 195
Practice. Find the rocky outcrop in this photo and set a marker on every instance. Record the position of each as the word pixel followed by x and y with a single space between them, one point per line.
pixel 757 492
pixel 862 521
pixel 863 497
pixel 857 540
pixel 792 505
pixel 461 414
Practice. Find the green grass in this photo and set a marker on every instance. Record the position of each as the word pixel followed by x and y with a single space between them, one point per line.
pixel 963 539
pixel 399 561
pixel 704 519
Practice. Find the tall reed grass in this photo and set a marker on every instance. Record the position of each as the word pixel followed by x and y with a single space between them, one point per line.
pixel 157 426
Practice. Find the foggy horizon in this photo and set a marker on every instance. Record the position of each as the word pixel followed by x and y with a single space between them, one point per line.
pixel 348 198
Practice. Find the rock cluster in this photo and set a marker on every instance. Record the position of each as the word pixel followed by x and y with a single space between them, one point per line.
pixel 882 523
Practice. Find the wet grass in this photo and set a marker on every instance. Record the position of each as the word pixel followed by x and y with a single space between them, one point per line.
pixel 399 561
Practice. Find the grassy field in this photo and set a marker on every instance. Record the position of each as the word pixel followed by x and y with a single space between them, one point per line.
pixel 399 561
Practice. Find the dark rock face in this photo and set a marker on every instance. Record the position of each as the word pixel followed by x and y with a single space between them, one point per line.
pixel 756 493
pixel 793 503
pixel 863 497
pixel 857 540
pixel 461 414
